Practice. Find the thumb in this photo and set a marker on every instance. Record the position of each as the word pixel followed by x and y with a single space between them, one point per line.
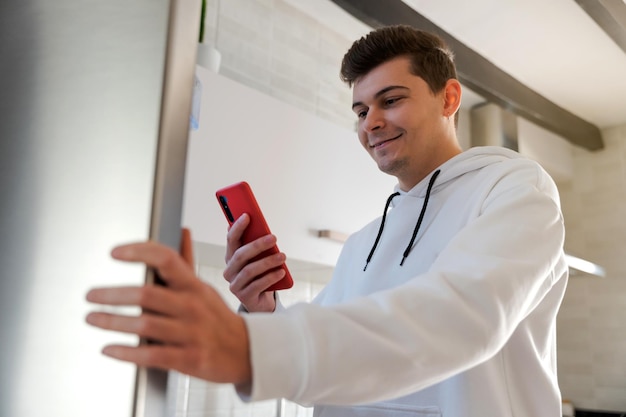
pixel 186 247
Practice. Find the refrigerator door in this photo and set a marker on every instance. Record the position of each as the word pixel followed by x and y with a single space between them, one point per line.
pixel 94 109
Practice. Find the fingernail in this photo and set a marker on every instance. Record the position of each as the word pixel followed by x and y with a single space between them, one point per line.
pixel 120 252
pixel 112 351
pixel 91 319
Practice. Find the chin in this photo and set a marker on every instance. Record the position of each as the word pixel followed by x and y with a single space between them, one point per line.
pixel 393 167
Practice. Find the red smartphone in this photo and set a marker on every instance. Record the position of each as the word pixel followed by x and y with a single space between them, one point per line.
pixel 237 199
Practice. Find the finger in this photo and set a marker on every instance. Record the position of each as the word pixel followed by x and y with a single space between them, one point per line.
pixel 254 288
pixel 242 257
pixel 150 297
pixel 153 356
pixel 254 270
pixel 235 232
pixel 242 264
pixel 165 357
pixel 201 363
pixel 186 247
pixel 150 326
pixel 172 268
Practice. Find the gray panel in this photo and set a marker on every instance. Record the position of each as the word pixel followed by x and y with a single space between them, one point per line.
pixel 184 21
pixel 81 85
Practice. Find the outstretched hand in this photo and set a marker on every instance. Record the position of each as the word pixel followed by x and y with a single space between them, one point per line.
pixel 193 330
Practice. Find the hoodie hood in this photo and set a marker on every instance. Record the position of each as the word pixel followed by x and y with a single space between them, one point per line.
pixel 467 161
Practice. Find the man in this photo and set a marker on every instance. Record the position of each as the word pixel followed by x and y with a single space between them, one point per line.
pixel 446 305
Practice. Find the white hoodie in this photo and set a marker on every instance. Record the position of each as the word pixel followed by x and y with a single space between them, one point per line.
pixel 465 327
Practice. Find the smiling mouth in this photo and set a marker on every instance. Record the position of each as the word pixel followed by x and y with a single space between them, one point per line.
pixel 376 145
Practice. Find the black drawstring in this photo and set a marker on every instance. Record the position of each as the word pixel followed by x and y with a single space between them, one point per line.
pixel 380 229
pixel 417 226
pixel 421 217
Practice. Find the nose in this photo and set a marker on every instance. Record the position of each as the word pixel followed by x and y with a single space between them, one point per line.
pixel 374 120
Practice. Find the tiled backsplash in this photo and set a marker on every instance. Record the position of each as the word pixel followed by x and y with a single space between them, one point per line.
pixel 592 321
pixel 273 47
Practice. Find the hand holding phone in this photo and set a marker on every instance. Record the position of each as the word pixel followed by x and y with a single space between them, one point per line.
pixel 237 199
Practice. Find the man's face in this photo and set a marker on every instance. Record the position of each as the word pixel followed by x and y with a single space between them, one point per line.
pixel 402 124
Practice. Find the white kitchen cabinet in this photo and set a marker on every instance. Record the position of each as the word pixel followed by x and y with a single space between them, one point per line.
pixel 307 173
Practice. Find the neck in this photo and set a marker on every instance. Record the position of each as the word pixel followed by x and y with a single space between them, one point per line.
pixel 407 182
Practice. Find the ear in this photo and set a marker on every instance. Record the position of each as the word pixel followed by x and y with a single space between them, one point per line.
pixel 451 97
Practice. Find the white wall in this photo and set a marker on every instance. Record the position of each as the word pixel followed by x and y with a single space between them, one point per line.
pixel 307 173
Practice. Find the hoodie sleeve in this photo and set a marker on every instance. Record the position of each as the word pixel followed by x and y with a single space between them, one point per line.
pixel 460 313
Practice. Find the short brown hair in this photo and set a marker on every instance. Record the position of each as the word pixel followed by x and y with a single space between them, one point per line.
pixel 431 59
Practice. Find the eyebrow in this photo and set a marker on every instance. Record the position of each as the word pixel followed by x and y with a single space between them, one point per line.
pixel 380 93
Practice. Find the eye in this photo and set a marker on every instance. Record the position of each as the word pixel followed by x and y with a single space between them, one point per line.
pixel 361 113
pixel 391 101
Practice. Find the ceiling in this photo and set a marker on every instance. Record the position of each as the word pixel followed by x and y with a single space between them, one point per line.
pixel 553 47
